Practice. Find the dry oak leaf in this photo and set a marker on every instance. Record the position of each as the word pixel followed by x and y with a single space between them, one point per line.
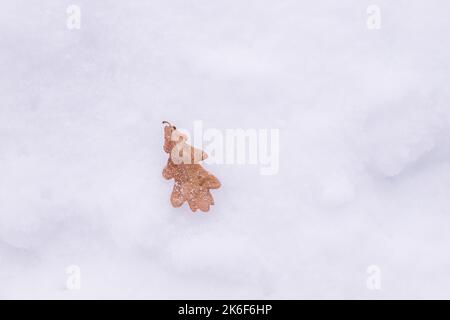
pixel 192 182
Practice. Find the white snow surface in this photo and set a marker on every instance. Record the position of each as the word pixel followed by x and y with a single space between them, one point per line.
pixel 364 120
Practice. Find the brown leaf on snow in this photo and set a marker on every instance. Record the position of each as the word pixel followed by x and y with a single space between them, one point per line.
pixel 192 182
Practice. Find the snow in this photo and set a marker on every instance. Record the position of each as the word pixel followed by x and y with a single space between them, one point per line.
pixel 364 150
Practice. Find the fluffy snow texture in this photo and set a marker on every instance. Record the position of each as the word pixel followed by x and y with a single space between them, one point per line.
pixel 364 121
